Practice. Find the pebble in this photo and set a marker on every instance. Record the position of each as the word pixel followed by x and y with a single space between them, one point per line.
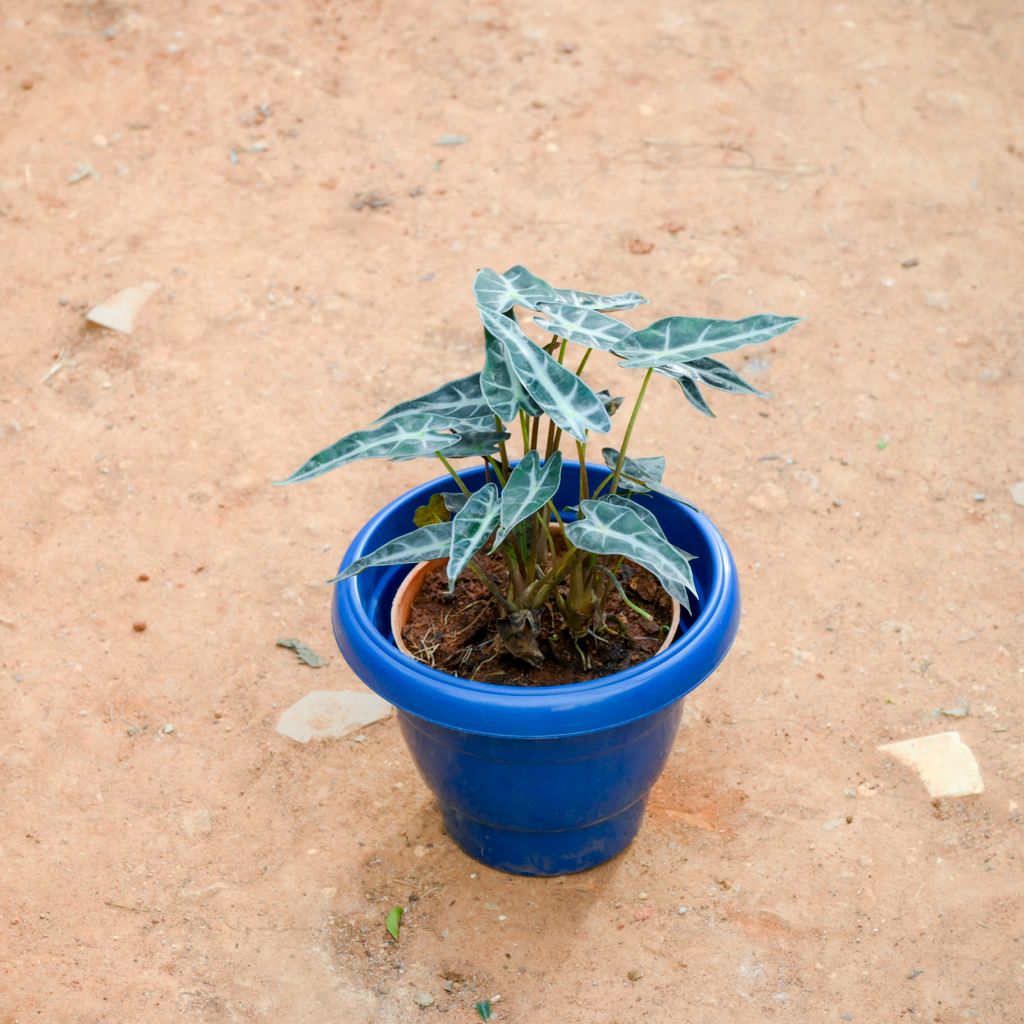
pixel 118 312
pixel 80 173
pixel 979 496
pixel 63 300
pixel 944 762
pixel 451 140
pixel 633 975
pixel 683 910
pixel 908 263
pixel 329 714
pixel 1017 492
pixel 197 822
pixel 133 730
pixel 423 999
pixel 937 300
pixel 167 729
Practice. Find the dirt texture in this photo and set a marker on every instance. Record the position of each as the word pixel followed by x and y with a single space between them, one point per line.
pixel 461 632
pixel 313 185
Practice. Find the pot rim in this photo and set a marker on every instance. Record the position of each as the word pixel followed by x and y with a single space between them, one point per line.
pixel 538 712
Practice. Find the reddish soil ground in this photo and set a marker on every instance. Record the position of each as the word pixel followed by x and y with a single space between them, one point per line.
pixel 276 168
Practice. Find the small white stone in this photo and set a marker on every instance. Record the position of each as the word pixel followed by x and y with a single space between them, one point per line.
pixel 1017 492
pixel 945 763
pixel 119 311
pixel 168 729
pixel 197 822
pixel 328 714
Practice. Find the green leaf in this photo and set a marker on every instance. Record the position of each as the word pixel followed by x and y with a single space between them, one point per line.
pixel 592 300
pixel 644 513
pixel 646 471
pixel 682 339
pixel 530 487
pixel 516 287
pixel 501 387
pixel 612 529
pixel 471 527
pixel 610 402
pixel 435 511
pixel 456 402
pixel 695 396
pixel 483 1009
pixel 421 545
pixel 476 442
pixel 305 653
pixel 711 372
pixel 454 500
pixel 394 921
pixel 558 391
pixel 407 437
pixel 583 326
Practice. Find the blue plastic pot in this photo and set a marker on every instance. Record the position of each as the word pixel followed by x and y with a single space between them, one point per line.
pixel 539 780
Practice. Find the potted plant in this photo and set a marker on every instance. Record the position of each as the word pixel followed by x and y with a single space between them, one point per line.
pixel 537 621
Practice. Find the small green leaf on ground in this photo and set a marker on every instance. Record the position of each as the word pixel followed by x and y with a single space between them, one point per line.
pixel 305 653
pixel 484 1009
pixel 394 921
pixel 882 444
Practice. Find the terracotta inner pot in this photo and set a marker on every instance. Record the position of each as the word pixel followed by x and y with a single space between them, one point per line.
pixel 413 583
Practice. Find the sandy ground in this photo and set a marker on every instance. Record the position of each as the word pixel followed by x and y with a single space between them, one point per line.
pixel 275 167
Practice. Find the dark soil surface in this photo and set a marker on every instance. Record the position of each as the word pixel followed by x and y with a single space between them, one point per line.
pixel 458 632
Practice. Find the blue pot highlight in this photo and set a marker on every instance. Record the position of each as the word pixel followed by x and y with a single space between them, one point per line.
pixel 551 779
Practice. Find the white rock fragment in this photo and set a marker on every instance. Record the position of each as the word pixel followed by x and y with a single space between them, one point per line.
pixel 328 714
pixel 1017 492
pixel 197 822
pixel 120 310
pixel 945 763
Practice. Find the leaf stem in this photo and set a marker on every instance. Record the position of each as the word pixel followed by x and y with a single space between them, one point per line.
pixel 525 427
pixel 581 451
pixel 455 476
pixel 492 462
pixel 500 427
pixel 620 461
pixel 583 361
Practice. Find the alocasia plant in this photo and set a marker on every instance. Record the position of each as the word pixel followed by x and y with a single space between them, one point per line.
pixel 568 568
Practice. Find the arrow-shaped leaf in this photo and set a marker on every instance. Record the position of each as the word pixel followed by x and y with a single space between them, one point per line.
pixel 454 500
pixel 421 545
pixel 583 326
pixel 682 339
pixel 592 300
pixel 502 389
pixel 453 403
pixel 644 513
pixel 407 437
pixel 610 402
pixel 530 487
pixel 713 373
pixel 558 391
pixel 646 471
pixel 471 527
pixel 695 396
pixel 611 529
pixel 516 287
pixel 476 442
